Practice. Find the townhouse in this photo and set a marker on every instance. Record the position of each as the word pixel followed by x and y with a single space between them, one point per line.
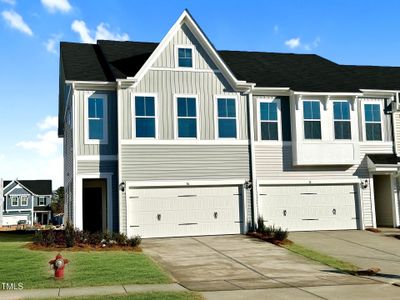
pixel 176 138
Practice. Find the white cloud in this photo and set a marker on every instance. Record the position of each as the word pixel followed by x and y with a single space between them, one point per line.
pixel 11 2
pixel 102 32
pixel 293 43
pixel 50 45
pixel 48 123
pixel 57 5
pixel 14 20
pixel 45 145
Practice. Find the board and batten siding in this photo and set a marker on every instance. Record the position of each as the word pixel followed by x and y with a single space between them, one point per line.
pixel 396 128
pixel 96 149
pixel 182 37
pixel 275 162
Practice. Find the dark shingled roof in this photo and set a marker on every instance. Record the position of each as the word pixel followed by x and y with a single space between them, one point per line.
pixel 39 187
pixel 384 159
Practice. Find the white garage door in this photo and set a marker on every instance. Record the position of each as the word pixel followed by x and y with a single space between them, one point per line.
pixel 184 211
pixel 309 207
pixel 13 220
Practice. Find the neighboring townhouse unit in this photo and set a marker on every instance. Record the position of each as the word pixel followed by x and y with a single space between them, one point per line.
pixel 26 200
pixel 176 138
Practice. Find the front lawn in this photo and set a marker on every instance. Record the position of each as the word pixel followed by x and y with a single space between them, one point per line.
pixel 86 268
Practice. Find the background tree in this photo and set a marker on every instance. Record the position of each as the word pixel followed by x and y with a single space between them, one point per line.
pixel 57 201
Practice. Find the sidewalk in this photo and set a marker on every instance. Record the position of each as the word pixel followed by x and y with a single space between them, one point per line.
pixel 90 291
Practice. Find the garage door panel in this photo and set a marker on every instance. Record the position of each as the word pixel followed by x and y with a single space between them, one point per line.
pixel 309 207
pixel 184 211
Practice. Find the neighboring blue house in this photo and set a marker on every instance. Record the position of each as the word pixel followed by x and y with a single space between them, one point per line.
pixel 27 200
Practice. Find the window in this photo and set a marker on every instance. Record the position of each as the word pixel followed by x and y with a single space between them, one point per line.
pixel 185 59
pixel 14 200
pixel 269 120
pixel 145 117
pixel 187 119
pixel 341 119
pixel 97 118
pixel 226 113
pixel 42 201
pixel 373 125
pixel 312 120
pixel 24 200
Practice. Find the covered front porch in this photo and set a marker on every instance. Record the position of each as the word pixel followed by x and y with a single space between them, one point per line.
pixel 384 170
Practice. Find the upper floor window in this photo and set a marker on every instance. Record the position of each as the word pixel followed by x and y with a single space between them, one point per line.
pixel 341 119
pixel 187 117
pixel 312 120
pixel 14 200
pixel 373 122
pixel 42 201
pixel 185 57
pixel 269 122
pixel 145 115
pixel 97 119
pixel 24 200
pixel 226 114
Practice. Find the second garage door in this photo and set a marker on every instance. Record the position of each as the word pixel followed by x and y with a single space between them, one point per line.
pixel 184 211
pixel 309 207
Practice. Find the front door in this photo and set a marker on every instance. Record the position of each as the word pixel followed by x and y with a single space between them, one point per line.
pixel 92 209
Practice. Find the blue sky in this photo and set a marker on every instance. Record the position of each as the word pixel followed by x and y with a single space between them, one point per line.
pixel 347 32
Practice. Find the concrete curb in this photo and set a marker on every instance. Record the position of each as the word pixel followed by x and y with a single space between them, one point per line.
pixel 90 291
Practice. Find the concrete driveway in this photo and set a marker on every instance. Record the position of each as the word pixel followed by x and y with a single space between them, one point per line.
pixel 362 248
pixel 237 262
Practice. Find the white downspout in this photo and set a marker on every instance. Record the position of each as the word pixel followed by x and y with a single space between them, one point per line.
pixel 253 174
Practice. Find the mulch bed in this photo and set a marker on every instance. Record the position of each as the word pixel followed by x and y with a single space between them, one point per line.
pixel 376 230
pixel 82 247
pixel 269 239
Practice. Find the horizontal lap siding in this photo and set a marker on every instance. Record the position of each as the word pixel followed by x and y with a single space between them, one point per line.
pixel 181 162
pixel 396 117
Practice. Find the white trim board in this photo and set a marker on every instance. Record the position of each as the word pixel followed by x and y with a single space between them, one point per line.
pixel 182 183
pixel 307 182
pixel 96 157
pixel 184 142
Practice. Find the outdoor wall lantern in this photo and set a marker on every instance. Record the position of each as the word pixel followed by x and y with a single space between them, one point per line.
pixel 364 184
pixel 122 186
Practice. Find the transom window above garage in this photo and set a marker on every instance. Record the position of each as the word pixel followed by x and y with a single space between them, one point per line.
pixel 184 57
pixel 145 117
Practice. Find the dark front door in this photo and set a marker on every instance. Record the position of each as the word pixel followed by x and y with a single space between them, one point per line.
pixel 92 209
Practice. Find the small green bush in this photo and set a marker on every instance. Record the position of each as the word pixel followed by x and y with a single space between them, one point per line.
pixel 269 230
pixel 260 225
pixel 280 234
pixel 134 241
pixel 120 238
pixel 95 238
pixel 69 235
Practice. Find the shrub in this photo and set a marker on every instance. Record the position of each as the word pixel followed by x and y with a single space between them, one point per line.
pixel 69 235
pixel 45 238
pixel 59 237
pixel 280 234
pixel 134 241
pixel 269 230
pixel 260 225
pixel 107 237
pixel 120 238
pixel 95 238
pixel 38 237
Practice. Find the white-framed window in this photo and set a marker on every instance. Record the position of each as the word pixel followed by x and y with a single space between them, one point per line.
pixel 312 119
pixel 186 113
pixel 342 120
pixel 226 117
pixel 184 56
pixel 96 119
pixel 372 117
pixel 14 200
pixel 24 200
pixel 145 116
pixel 269 119
pixel 42 201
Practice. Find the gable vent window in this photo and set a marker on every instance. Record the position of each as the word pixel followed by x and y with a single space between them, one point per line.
pixel 312 120
pixel 373 123
pixel 341 117
pixel 145 117
pixel 226 113
pixel 185 58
